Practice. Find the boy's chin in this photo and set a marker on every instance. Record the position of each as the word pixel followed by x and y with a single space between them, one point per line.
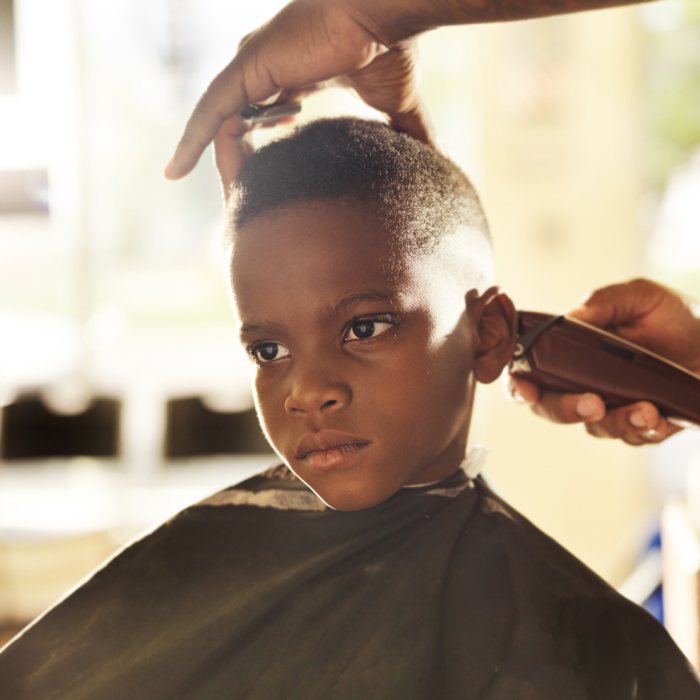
pixel 343 497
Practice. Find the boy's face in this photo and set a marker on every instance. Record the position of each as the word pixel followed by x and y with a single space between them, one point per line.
pixel 362 366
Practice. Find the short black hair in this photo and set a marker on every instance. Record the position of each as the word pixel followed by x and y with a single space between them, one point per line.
pixel 421 195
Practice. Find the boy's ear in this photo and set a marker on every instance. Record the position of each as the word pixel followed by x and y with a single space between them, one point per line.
pixel 496 322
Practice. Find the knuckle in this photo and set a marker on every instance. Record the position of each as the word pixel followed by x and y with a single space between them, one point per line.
pixel 244 40
pixel 566 408
pixel 640 282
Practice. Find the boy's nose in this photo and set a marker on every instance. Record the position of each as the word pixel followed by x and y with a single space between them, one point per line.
pixel 314 391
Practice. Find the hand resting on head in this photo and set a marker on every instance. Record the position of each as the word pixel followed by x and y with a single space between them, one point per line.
pixel 364 45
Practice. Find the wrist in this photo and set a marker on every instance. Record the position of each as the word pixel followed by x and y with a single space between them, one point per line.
pixel 393 21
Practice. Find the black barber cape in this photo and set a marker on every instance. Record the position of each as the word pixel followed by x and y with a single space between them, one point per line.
pixel 263 593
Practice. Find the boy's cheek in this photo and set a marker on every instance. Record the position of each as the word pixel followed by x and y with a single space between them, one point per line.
pixel 271 412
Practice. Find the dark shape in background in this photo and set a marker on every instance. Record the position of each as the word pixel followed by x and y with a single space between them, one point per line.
pixel 32 431
pixel 194 430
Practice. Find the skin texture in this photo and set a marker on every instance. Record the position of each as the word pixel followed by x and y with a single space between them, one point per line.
pixel 311 44
pixel 645 313
pixel 306 281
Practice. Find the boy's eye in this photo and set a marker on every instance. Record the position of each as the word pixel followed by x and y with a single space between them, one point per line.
pixel 361 330
pixel 269 351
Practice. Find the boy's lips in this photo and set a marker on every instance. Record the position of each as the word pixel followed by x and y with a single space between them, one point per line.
pixel 329 449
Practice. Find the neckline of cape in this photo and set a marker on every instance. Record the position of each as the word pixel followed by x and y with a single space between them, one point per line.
pixel 471 466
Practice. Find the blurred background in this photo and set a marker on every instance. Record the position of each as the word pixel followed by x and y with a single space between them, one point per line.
pixel 124 393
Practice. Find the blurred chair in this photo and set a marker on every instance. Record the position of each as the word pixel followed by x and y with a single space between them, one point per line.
pixel 30 430
pixel 50 550
pixel 193 430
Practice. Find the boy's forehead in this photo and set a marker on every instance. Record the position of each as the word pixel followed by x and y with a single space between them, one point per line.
pixel 318 243
pixel 341 222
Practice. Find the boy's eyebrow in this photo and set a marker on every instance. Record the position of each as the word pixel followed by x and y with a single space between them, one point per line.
pixel 346 303
pixel 354 299
pixel 272 327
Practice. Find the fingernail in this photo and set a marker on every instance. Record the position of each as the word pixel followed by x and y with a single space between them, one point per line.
pixel 169 171
pixel 651 434
pixel 638 420
pixel 586 408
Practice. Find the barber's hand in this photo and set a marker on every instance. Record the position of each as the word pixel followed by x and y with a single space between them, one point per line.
pixel 306 45
pixel 645 313
pixel 389 84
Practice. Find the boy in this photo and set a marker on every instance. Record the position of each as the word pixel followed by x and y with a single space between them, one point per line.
pixel 360 279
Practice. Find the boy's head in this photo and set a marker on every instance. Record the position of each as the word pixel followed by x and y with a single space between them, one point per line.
pixel 360 261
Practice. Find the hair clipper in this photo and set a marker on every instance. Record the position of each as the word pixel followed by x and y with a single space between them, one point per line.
pixel 569 356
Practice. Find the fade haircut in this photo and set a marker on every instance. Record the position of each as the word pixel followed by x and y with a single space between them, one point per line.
pixel 421 196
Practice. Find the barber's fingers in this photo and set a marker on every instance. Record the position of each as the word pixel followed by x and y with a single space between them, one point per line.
pixel 306 43
pixel 233 145
pixel 637 424
pixel 554 406
pixel 569 408
pixel 622 304
pixel 225 97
